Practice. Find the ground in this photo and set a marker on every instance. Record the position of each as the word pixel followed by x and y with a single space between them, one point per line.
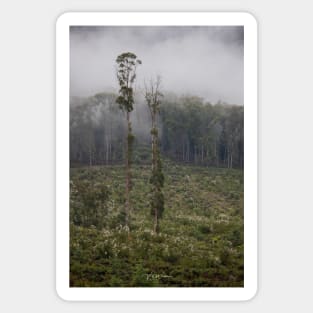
pixel 201 233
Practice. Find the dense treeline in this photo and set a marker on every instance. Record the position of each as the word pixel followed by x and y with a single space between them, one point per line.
pixel 191 131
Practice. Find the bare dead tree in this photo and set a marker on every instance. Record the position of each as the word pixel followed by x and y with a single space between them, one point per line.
pixel 153 99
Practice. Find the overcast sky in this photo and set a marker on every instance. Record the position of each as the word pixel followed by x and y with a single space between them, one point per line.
pixel 202 61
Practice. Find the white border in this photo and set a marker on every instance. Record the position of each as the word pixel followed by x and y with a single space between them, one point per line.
pixel 250 152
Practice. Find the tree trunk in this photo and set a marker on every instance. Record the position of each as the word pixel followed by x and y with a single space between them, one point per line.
pixel 107 150
pixel 156 222
pixel 202 154
pixel 90 157
pixel 110 142
pixel 231 159
pixel 215 153
pixel 153 141
pixel 127 165
pixel 154 159
pixel 188 151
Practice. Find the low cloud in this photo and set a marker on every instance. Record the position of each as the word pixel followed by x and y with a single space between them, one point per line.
pixel 203 61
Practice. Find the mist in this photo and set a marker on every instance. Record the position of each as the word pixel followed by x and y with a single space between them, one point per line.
pixel 205 61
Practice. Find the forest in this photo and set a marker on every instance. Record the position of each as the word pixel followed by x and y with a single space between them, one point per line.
pixel 156 188
pixel 192 131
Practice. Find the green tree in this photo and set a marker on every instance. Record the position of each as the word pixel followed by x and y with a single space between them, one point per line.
pixel 126 75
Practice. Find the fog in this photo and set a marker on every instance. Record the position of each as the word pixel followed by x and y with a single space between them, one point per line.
pixel 202 61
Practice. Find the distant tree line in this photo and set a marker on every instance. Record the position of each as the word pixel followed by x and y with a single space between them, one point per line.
pixel 191 131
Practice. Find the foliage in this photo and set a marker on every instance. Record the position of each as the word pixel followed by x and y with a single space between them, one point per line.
pixel 199 244
pixel 126 75
pixel 190 131
pixel 88 203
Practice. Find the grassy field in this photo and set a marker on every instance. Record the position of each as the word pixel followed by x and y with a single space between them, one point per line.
pixel 201 233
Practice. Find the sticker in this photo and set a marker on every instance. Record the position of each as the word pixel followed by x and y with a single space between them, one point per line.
pixel 156 137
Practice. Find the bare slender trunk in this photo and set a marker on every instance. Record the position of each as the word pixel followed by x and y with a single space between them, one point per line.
pixel 90 157
pixel 188 150
pixel 107 150
pixel 127 165
pixel 215 153
pixel 154 160
pixel 110 142
pixel 153 141
pixel 231 160
pixel 156 221
pixel 225 156
pixel 202 154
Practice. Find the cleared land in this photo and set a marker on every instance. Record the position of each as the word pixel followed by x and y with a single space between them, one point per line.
pixel 201 233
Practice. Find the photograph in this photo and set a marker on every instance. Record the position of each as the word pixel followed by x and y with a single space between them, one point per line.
pixel 156 156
